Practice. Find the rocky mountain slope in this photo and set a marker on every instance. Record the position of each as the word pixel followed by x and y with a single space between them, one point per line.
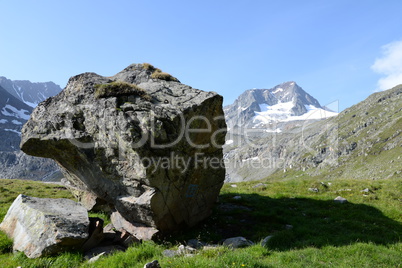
pixel 29 93
pixel 363 141
pixel 14 163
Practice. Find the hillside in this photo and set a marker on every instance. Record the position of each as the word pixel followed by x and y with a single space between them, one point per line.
pixel 363 141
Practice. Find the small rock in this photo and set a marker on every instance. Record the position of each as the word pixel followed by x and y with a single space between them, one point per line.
pixel 340 200
pixel 288 227
pixel 264 242
pixel 153 264
pixel 233 185
pixel 237 242
pixel 237 197
pixel 195 243
pixel 183 250
pixel 210 247
pixel 94 259
pixel 138 230
pixel 315 190
pixel 170 253
pixel 323 184
pixel 260 185
pixel 109 228
pixel 189 255
pixel 367 190
pixel 100 251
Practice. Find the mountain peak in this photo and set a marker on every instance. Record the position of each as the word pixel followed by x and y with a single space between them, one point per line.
pixel 284 102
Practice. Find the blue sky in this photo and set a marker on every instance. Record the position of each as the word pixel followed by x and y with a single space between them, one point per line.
pixel 336 50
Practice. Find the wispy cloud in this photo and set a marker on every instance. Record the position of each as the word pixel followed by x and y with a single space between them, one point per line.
pixel 390 65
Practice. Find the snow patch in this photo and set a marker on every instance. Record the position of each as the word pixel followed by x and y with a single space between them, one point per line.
pixel 3 121
pixel 278 112
pixel 282 112
pixel 251 159
pixel 278 130
pixel 13 130
pixel 313 113
pixel 15 122
pixel 9 110
pixel 32 104
pixel 279 89
pixel 229 142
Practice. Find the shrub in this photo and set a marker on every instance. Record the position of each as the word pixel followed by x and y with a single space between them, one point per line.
pixel 148 67
pixel 164 76
pixel 115 89
pixel 158 74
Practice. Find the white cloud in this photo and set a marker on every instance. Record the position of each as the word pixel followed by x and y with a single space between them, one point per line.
pixel 390 65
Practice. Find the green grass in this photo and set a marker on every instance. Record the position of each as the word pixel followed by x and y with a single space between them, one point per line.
pixel 365 232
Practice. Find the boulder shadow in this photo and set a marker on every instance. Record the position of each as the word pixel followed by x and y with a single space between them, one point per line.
pixel 296 223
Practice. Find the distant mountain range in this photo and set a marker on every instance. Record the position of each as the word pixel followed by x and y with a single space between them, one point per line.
pixel 17 99
pixel 29 93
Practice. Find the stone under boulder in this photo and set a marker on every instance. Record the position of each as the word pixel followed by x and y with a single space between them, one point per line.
pixel 44 226
pixel 139 142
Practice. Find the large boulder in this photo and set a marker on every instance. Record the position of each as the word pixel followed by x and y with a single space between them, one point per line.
pixel 44 226
pixel 139 142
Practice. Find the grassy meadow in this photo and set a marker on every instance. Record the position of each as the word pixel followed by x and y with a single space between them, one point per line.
pixel 308 228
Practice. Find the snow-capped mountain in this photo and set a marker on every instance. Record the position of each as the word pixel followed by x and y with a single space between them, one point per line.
pixel 13 162
pixel 17 98
pixel 261 117
pixel 28 92
pixel 263 108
